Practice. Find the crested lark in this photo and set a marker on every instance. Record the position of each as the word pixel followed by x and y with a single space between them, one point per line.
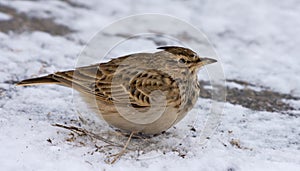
pixel 143 92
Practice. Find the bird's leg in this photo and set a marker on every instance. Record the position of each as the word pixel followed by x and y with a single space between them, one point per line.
pixel 118 155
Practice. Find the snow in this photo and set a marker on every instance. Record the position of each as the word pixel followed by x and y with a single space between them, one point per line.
pixel 4 16
pixel 257 41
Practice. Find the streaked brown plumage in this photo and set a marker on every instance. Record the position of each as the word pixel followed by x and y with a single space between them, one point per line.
pixel 142 92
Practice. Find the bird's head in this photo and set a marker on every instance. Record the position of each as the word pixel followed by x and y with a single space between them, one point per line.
pixel 187 58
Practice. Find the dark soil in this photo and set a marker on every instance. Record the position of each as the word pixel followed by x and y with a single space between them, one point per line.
pixel 21 22
pixel 263 100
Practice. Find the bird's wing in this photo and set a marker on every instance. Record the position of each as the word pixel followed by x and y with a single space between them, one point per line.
pixel 125 86
pixel 116 81
pixel 142 84
pixel 94 79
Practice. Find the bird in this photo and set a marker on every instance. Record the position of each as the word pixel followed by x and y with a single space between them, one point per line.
pixel 145 93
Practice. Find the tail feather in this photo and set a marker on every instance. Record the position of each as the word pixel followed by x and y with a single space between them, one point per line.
pixel 81 82
pixel 40 80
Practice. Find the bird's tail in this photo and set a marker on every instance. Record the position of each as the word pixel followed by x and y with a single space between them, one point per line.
pixel 40 80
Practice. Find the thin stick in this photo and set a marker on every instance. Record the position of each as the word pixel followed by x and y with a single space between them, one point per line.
pixel 81 131
pixel 123 150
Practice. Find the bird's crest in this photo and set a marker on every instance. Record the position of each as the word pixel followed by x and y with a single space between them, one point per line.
pixel 179 51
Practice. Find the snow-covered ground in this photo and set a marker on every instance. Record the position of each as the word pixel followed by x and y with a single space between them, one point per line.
pixel 257 41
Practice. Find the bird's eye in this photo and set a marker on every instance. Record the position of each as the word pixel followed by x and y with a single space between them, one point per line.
pixel 182 60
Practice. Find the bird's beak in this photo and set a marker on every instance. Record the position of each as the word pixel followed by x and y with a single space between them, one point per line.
pixel 206 61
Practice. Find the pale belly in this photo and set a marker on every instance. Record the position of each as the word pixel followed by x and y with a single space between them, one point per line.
pixel 169 117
